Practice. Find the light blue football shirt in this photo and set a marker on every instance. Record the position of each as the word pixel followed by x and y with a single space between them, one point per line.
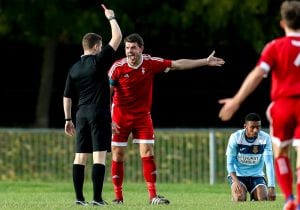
pixel 247 157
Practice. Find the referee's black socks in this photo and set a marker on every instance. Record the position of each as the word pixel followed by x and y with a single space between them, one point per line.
pixel 78 179
pixel 98 173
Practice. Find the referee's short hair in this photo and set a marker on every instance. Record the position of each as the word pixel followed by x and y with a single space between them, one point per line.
pixel 252 117
pixel 90 39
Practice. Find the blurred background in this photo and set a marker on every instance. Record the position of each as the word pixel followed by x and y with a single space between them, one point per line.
pixel 41 39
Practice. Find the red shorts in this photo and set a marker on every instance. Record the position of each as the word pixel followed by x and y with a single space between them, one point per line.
pixel 284 117
pixel 138 124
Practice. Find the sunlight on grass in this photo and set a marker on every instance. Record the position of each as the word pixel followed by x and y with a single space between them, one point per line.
pixel 60 195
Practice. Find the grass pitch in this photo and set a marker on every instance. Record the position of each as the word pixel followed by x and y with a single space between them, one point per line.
pixel 60 196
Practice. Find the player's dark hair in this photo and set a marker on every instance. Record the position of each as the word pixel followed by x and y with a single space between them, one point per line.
pixel 90 39
pixel 252 117
pixel 290 12
pixel 134 38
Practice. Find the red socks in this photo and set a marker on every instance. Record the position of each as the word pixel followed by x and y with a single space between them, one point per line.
pixel 149 170
pixel 284 175
pixel 117 173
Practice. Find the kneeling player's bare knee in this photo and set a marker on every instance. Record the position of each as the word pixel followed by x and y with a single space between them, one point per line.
pixel 262 198
pixel 242 198
pixel 239 198
pixel 260 194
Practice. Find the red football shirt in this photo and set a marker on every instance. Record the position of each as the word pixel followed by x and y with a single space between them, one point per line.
pixel 133 86
pixel 282 57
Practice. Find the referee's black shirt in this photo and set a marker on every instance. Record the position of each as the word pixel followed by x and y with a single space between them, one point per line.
pixel 88 80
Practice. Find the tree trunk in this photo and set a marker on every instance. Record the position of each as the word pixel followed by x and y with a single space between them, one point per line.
pixel 46 83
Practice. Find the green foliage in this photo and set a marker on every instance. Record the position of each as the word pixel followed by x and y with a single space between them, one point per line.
pixel 181 156
pixel 203 22
pixel 232 22
pixel 39 21
pixel 4 27
pixel 31 155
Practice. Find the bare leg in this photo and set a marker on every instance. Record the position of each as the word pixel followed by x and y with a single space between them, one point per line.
pixel 260 193
pixel 238 192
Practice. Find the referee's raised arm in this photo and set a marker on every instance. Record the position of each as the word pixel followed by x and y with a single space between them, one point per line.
pixel 116 34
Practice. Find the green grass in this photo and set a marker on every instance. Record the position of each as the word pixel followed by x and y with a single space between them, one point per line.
pixel 60 195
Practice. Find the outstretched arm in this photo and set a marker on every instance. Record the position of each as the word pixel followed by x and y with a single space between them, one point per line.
pixel 211 60
pixel 231 105
pixel 116 37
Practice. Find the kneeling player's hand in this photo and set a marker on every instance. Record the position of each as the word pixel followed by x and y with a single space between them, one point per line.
pixel 271 194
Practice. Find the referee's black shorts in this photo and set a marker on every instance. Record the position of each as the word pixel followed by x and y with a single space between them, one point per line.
pixel 93 129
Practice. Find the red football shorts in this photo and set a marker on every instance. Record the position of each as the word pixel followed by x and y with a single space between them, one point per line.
pixel 138 124
pixel 284 117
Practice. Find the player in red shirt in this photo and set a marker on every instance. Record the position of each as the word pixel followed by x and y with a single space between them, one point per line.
pixel 131 80
pixel 281 57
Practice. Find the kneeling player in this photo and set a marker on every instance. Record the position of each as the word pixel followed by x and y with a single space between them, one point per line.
pixel 248 151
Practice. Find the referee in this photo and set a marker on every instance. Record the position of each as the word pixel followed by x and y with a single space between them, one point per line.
pixel 88 80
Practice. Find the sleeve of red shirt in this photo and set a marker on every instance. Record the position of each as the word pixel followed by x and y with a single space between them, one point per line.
pixel 113 72
pixel 267 54
pixel 160 64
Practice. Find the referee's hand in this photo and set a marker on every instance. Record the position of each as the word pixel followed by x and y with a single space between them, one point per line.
pixel 69 128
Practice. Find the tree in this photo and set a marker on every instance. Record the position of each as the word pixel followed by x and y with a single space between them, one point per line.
pixel 45 23
pixel 234 21
pixel 167 26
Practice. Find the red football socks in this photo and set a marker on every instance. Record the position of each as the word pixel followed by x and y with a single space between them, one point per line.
pixel 284 175
pixel 149 170
pixel 117 171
